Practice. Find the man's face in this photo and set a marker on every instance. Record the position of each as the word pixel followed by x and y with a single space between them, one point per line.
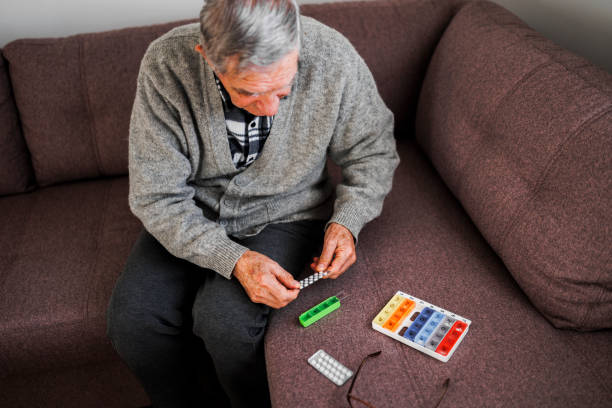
pixel 258 91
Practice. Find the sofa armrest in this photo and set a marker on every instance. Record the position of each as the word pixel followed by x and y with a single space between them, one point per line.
pixel 519 129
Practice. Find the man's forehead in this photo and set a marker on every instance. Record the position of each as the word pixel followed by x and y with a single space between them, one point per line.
pixel 255 78
pixel 262 79
pixel 256 89
pixel 290 58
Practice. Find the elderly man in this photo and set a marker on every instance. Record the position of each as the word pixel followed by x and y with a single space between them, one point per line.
pixel 230 132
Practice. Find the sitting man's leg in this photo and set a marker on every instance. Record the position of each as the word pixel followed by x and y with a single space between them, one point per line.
pixel 150 326
pixel 233 327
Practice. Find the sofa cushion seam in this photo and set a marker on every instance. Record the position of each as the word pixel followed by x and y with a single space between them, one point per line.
pixel 92 269
pixel 93 140
pixel 539 36
pixel 540 181
pixel 489 127
pixel 598 298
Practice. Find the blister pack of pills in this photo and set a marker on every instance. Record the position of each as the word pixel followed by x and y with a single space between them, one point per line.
pixel 312 279
pixel 330 367
pixel 421 325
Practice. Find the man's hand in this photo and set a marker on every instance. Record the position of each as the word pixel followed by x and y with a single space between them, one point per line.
pixel 338 251
pixel 265 281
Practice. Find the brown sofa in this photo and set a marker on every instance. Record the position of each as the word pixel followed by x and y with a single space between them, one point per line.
pixel 501 211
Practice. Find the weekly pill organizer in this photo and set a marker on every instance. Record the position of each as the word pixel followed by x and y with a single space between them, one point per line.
pixel 421 325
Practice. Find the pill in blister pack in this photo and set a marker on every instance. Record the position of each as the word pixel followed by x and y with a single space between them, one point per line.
pixel 330 367
pixel 312 279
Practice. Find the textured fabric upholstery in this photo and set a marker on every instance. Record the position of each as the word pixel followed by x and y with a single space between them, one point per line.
pixel 396 39
pixel 63 249
pixel 493 88
pixel 16 175
pixel 424 244
pixel 519 130
pixel 100 385
pixel 75 119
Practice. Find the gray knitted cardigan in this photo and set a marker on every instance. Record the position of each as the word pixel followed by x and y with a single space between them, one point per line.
pixel 184 186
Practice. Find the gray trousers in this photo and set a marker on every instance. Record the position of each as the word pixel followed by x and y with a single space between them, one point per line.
pixel 169 318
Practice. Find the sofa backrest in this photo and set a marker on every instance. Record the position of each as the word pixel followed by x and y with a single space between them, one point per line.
pixel 396 38
pixel 521 131
pixel 75 94
pixel 74 97
pixel 16 175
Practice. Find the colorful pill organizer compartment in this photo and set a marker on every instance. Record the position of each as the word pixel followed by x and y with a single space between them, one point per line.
pixel 421 325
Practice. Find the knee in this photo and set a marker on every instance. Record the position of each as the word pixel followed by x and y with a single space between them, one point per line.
pixel 129 321
pixel 230 331
pixel 121 324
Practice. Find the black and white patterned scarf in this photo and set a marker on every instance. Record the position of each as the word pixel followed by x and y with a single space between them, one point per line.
pixel 246 132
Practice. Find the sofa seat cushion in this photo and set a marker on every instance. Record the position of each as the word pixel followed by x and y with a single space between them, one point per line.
pixel 107 385
pixel 519 130
pixel 63 248
pixel 424 244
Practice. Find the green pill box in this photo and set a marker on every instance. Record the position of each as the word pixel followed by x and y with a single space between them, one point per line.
pixel 321 310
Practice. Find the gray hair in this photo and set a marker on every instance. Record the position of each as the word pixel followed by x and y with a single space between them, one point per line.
pixel 258 32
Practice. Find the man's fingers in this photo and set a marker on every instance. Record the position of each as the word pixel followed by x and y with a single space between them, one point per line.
pixel 286 278
pixel 338 265
pixel 335 267
pixel 341 262
pixel 314 263
pixel 281 288
pixel 329 248
pixel 273 293
pixel 265 281
pixel 350 260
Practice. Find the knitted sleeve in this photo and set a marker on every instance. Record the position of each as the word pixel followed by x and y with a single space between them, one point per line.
pixel 363 146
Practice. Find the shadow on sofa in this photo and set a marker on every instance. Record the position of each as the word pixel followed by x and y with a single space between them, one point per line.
pixel 500 212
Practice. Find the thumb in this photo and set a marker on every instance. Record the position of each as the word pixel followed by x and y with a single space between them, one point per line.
pixel 326 256
pixel 286 278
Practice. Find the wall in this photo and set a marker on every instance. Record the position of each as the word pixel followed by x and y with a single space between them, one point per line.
pixel 583 26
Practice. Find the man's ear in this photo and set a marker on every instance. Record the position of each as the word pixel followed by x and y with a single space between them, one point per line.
pixel 199 49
